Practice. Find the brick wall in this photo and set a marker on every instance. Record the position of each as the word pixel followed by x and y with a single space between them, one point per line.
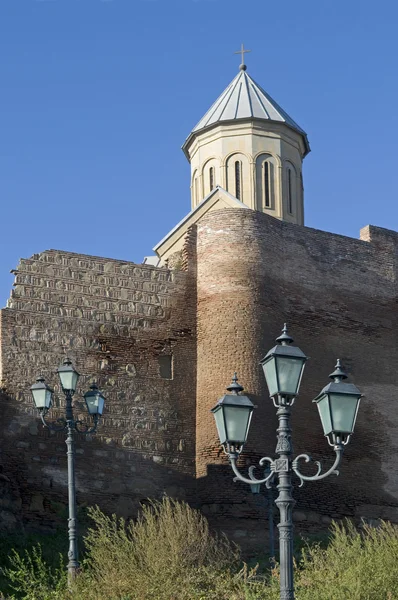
pixel 339 296
pixel 114 319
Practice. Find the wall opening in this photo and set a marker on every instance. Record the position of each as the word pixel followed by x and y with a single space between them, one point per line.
pixel 289 191
pixel 166 366
pixel 238 180
pixel 267 185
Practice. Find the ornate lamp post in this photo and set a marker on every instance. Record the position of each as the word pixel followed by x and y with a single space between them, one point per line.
pixel 42 398
pixel 338 405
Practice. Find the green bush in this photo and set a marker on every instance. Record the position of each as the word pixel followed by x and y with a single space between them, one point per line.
pixel 170 554
pixel 30 576
pixel 360 565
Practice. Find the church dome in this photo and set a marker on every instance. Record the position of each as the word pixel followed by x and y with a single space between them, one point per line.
pixel 250 147
pixel 244 99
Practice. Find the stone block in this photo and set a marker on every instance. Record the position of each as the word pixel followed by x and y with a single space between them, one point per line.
pixel 239 533
pixel 299 516
pixel 36 503
pixel 22 444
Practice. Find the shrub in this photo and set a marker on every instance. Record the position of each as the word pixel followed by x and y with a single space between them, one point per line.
pixel 360 565
pixel 168 552
pixel 30 576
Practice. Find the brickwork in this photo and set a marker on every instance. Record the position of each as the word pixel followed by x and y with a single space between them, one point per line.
pixel 114 319
pixel 339 297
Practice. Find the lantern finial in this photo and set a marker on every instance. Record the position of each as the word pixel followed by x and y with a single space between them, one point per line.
pixel 338 374
pixel 235 387
pixel 284 339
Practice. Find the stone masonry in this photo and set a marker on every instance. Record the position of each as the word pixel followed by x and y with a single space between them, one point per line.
pixel 120 323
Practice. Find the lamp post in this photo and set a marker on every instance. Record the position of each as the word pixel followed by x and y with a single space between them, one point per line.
pixel 338 405
pixel 43 398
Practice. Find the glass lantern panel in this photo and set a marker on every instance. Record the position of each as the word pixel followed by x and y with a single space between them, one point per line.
pixel 270 376
pixel 49 398
pixel 219 418
pixel 237 421
pixel 324 413
pixel 343 408
pixel 289 374
pixel 68 380
pixel 95 404
pixel 101 404
pixel 42 398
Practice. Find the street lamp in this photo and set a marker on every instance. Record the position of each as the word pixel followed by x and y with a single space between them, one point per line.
pixel 43 399
pixel 338 405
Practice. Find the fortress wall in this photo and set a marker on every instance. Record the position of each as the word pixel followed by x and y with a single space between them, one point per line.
pixel 339 297
pixel 244 273
pixel 115 320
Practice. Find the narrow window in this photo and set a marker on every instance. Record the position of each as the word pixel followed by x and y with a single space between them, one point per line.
pixel 196 190
pixel 289 191
pixel 267 191
pixel 237 180
pixel 166 366
pixel 211 177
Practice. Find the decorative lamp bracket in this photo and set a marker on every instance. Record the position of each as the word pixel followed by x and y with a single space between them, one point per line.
pixel 240 477
pixel 338 448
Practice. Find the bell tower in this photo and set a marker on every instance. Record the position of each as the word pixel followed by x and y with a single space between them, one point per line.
pixel 247 144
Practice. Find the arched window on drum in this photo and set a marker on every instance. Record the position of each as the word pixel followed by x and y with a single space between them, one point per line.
pixel 237 180
pixel 291 193
pixel 211 178
pixel 265 182
pixel 195 188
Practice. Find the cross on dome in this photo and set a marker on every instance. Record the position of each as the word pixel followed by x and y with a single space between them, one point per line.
pixel 242 52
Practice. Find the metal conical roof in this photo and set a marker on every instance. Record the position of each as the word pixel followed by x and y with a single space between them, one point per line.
pixel 245 99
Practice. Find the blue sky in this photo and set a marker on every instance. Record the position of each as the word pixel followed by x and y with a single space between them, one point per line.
pixel 97 97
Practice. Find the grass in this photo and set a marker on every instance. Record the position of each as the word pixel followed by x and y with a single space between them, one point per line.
pixel 169 553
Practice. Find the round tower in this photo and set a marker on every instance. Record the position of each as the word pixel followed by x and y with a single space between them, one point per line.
pixel 248 145
pixel 238 305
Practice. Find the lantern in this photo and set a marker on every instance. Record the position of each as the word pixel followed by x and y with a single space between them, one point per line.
pixel 94 400
pixel 233 414
pixel 68 376
pixel 283 367
pixel 42 394
pixel 338 405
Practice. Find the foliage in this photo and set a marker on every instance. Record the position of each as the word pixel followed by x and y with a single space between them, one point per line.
pixel 170 554
pixel 357 564
pixel 30 576
pixel 52 545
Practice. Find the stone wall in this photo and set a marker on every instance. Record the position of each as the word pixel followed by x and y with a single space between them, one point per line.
pixel 339 296
pixel 124 326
